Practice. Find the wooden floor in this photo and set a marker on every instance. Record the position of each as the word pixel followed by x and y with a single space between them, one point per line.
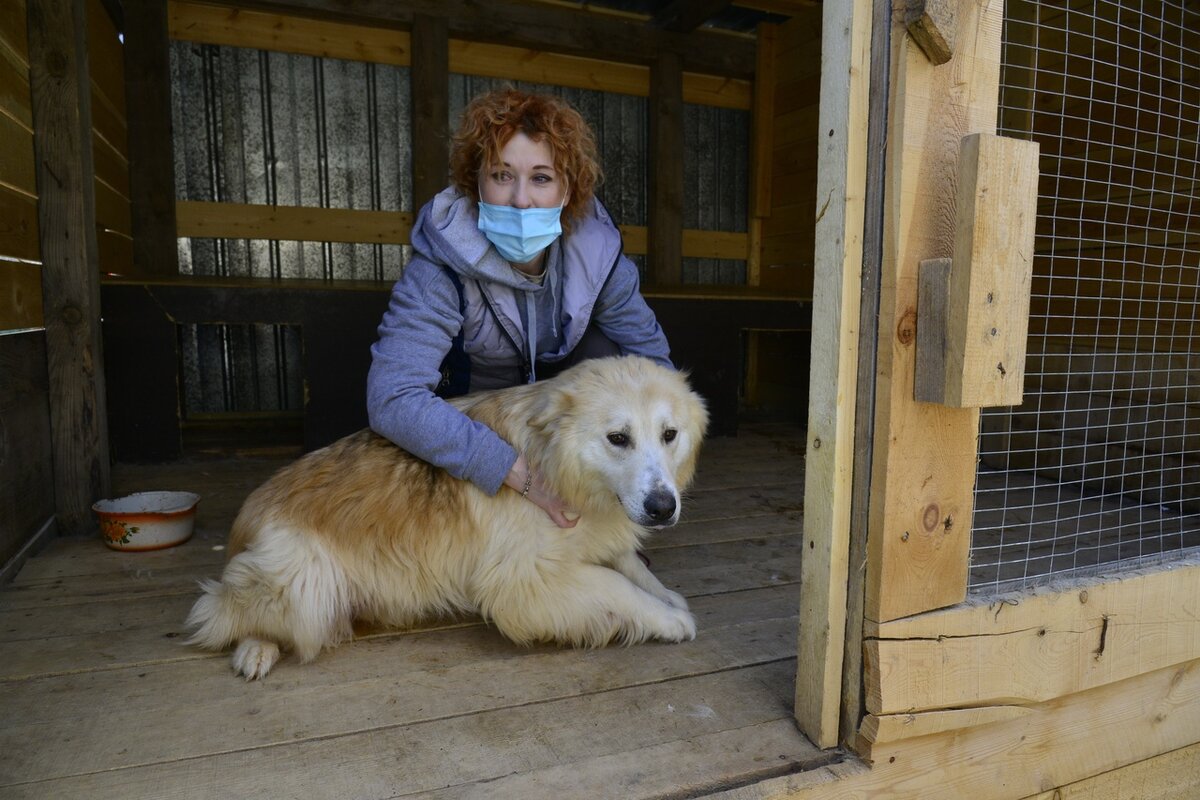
pixel 99 698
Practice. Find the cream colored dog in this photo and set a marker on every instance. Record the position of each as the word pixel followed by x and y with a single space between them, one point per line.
pixel 363 530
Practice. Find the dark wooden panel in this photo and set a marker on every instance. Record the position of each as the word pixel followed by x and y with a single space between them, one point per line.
pixel 665 257
pixel 338 326
pixel 152 172
pixel 430 82
pixel 26 470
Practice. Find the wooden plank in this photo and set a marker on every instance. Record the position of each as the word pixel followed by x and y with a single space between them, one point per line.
pixel 299 223
pixel 762 123
pixel 690 731
pixel 112 167
pixel 665 216
pixel 14 91
pixel 1048 645
pixel 18 225
pixel 26 470
pixel 832 393
pixel 105 58
pixel 1171 776
pixel 923 465
pixel 694 244
pixel 70 278
pixel 151 178
pixel 1063 741
pixel 430 82
pixel 429 675
pixel 540 26
pixel 239 27
pixel 931 23
pixel 20 295
pixel 991 271
pixel 933 297
pixel 16 157
pixel 13 41
pixel 892 727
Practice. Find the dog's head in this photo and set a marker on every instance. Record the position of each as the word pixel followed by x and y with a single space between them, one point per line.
pixel 623 427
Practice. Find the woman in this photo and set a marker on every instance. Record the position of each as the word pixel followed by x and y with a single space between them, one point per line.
pixel 517 272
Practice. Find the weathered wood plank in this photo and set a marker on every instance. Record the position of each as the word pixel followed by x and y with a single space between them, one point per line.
pixel 1171 776
pixel 373 684
pixel 1048 645
pixel 19 225
pixel 988 307
pixel 923 464
pixel 20 295
pixel 698 718
pixel 70 277
pixel 26 473
pixel 829 464
pixel 296 223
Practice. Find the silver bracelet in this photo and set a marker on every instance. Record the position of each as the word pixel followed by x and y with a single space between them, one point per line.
pixel 528 483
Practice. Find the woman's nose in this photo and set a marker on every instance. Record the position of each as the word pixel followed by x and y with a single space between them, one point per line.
pixel 521 197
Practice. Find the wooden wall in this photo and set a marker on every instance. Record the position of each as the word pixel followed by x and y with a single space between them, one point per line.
pixel 109 148
pixel 788 206
pixel 26 480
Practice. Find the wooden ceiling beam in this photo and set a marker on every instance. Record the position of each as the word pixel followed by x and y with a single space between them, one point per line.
pixel 687 15
pixel 537 26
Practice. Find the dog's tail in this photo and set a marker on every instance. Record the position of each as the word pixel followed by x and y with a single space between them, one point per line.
pixel 217 621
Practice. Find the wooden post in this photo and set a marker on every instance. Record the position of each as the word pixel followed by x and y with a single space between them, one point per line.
pixel 923 464
pixel 148 120
pixel 838 258
pixel 60 89
pixel 429 83
pixel 665 259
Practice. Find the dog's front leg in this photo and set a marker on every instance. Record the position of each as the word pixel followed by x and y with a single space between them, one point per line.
pixel 631 566
pixel 585 604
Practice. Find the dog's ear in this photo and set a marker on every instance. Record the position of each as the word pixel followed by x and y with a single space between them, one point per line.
pixel 553 406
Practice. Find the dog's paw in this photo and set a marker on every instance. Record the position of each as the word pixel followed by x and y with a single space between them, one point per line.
pixel 673 599
pixel 254 658
pixel 678 626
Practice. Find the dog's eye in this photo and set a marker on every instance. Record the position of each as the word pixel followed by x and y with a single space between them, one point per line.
pixel 618 439
pixel 669 435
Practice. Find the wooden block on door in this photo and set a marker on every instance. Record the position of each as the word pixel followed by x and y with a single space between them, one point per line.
pixel 987 311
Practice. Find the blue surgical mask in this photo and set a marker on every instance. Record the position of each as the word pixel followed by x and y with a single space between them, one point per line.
pixel 519 234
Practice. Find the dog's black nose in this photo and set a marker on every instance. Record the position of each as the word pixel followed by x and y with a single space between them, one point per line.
pixel 660 506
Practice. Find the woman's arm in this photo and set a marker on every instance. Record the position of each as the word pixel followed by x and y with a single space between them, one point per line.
pixel 623 315
pixel 416 333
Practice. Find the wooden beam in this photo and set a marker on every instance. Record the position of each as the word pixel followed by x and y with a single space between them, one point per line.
pixel 687 15
pixel 923 463
pixel 292 223
pixel 60 88
pixel 762 124
pixel 430 86
pixel 1057 744
pixel 148 119
pixel 1044 645
pixel 665 217
pixel 538 27
pixel 841 184
pixel 215 25
pixel 1171 776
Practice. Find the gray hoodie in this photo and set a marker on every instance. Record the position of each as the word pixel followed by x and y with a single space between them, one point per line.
pixel 588 280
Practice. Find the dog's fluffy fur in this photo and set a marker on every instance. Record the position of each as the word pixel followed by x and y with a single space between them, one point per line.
pixel 363 530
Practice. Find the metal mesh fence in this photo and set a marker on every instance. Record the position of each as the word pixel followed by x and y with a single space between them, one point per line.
pixel 1101 463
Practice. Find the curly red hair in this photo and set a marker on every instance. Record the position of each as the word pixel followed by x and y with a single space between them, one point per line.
pixel 491 119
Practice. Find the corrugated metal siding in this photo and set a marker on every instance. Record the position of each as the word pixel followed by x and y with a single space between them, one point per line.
pixel 262 127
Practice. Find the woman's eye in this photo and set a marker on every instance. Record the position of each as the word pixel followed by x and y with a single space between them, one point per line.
pixel 618 439
pixel 669 435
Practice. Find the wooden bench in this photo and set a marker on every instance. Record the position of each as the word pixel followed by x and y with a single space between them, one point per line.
pixel 337 323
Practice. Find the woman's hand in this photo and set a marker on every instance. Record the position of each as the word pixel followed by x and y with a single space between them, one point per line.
pixel 530 485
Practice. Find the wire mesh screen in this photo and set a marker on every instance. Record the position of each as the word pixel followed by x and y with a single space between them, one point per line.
pixel 1101 463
